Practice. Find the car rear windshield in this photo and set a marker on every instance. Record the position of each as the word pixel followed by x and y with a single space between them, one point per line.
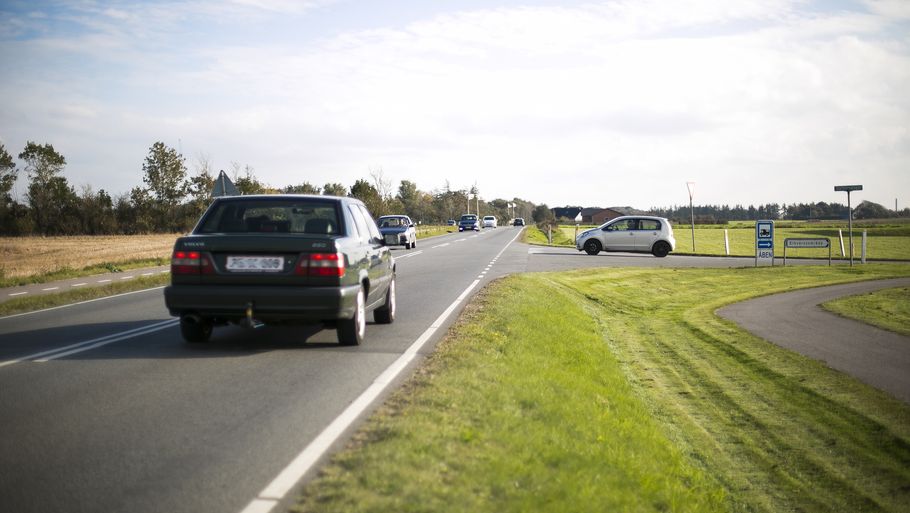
pixel 272 216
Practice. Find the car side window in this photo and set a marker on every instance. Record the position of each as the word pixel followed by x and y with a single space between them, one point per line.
pixel 371 225
pixel 619 226
pixel 649 224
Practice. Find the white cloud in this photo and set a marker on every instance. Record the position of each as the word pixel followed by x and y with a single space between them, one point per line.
pixel 613 103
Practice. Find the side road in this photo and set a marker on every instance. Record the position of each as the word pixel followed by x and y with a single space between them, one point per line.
pixel 38 289
pixel 795 320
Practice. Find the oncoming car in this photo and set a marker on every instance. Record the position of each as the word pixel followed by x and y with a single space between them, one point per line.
pixel 282 259
pixel 398 230
pixel 637 234
pixel 468 222
pixel 489 222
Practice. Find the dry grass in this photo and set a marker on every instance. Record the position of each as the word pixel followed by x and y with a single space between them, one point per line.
pixel 29 256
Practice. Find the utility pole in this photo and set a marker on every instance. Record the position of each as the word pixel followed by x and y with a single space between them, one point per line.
pixel 691 187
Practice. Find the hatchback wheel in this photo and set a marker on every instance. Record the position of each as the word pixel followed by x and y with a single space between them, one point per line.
pixel 660 249
pixel 592 246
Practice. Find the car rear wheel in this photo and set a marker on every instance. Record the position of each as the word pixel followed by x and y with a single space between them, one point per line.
pixel 351 331
pixel 660 249
pixel 386 313
pixel 195 329
pixel 592 246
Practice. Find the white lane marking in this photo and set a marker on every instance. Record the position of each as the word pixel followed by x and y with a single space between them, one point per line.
pixel 409 255
pixel 279 487
pixel 50 288
pixel 126 277
pixel 147 274
pixel 78 284
pixel 79 303
pixel 439 246
pixel 17 293
pixel 103 281
pixel 78 347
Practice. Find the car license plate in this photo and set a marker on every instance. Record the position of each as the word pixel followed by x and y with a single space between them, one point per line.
pixel 255 263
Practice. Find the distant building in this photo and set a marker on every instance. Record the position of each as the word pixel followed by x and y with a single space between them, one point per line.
pixel 594 215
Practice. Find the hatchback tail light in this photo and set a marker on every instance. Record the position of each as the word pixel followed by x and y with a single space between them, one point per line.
pixel 191 262
pixel 321 265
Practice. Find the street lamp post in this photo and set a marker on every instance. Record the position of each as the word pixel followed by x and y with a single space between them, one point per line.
pixel 691 187
pixel 848 189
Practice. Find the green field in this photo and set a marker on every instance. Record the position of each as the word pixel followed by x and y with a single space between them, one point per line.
pixel 620 390
pixel 884 242
pixel 888 309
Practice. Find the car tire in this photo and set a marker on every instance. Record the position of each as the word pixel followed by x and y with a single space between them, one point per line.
pixel 386 313
pixel 592 246
pixel 413 243
pixel 195 330
pixel 660 249
pixel 351 331
pixel 407 245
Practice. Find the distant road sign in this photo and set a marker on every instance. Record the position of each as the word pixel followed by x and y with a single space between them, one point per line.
pixel 807 243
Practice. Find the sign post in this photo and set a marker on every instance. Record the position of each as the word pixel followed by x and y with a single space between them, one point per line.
pixel 848 189
pixel 764 243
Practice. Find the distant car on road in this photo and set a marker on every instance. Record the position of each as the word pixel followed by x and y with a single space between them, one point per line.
pixel 519 221
pixel 468 222
pixel 489 222
pixel 639 234
pixel 282 259
pixel 451 224
pixel 398 230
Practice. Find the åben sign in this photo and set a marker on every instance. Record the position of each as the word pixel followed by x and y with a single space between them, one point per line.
pixel 764 243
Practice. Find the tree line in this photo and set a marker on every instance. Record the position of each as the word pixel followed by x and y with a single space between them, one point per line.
pixel 722 214
pixel 170 199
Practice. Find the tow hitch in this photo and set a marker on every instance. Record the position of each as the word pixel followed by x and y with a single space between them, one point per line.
pixel 247 321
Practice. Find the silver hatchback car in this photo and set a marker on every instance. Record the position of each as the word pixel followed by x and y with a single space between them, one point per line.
pixel 637 234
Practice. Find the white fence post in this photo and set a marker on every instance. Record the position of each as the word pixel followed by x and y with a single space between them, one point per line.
pixel 840 234
pixel 726 242
pixel 864 247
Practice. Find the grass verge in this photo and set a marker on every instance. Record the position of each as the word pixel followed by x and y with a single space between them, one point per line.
pixel 620 390
pixel 888 309
pixel 67 273
pixel 32 303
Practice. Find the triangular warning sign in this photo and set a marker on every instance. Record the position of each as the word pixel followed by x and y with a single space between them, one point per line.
pixel 224 186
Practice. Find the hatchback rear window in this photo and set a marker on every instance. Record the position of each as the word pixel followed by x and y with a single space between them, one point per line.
pixel 272 216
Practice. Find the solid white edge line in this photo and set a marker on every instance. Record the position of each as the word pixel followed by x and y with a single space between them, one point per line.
pixel 80 303
pixel 17 293
pixel 275 491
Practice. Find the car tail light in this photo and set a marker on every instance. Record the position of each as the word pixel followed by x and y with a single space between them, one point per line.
pixel 191 262
pixel 321 264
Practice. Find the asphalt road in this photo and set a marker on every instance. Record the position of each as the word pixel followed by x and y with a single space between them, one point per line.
pixel 795 321
pixel 103 407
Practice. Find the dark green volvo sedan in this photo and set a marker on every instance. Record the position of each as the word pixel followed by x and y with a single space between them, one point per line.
pixel 281 259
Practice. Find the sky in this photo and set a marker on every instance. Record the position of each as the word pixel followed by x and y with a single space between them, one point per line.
pixel 590 103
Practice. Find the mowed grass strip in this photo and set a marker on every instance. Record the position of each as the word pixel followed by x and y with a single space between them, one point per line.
pixel 620 390
pixel 522 408
pixel 40 302
pixel 888 309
